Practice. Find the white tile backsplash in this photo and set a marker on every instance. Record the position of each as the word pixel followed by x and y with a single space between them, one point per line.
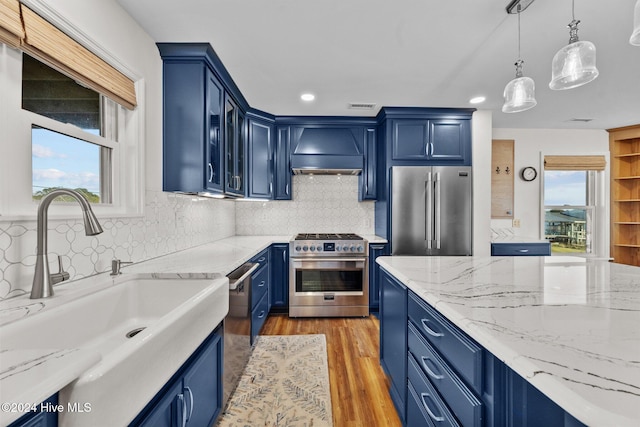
pixel 172 222
pixel 320 204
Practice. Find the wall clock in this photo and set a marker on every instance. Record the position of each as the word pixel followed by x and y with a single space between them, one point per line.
pixel 529 173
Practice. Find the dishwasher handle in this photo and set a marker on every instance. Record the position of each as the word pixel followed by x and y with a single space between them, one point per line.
pixel 240 274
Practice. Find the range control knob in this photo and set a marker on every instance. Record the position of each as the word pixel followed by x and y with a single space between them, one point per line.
pixel 337 248
pixel 345 248
pixel 298 248
pixel 312 248
pixel 360 249
pixel 319 248
pixel 305 248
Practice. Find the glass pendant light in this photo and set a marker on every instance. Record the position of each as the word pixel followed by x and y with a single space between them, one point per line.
pixel 635 36
pixel 575 64
pixel 519 94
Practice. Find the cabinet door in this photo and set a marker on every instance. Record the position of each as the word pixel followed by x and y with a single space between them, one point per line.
pixel 260 159
pixel 202 385
pixel 168 411
pixel 282 178
pixel 409 139
pixel 393 337
pixel 279 286
pixel 375 250
pixel 215 147
pixel 448 140
pixel 368 182
pixel 39 419
pixel 234 147
pixel 183 144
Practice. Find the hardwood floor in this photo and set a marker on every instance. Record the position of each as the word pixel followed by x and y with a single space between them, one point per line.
pixel 359 388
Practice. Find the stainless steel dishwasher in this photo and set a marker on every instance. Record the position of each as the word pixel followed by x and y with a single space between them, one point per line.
pixel 237 328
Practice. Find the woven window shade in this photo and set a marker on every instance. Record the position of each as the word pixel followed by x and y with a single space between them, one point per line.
pixel 10 25
pixel 50 45
pixel 573 163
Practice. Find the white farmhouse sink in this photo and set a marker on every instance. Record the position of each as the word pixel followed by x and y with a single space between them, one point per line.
pixel 143 328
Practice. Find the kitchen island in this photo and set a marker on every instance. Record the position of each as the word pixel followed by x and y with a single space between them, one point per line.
pixel 569 326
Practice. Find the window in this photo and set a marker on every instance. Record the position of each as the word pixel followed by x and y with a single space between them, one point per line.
pixel 60 160
pixel 575 200
pixel 569 206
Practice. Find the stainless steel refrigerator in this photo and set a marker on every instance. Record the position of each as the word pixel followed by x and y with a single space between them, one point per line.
pixel 431 210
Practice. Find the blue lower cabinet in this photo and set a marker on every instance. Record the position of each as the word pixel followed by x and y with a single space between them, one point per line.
pixel 193 396
pixel 521 249
pixel 40 418
pixel 259 316
pixel 279 286
pixel 375 250
pixel 393 337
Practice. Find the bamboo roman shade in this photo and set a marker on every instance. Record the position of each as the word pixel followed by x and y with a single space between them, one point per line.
pixel 572 163
pixel 10 25
pixel 22 27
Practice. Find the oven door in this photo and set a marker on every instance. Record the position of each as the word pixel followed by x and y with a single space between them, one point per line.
pixel 328 281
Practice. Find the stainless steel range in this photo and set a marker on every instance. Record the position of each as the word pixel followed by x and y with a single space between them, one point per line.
pixel 328 275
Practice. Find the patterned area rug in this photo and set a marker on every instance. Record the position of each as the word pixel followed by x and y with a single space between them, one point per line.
pixel 285 384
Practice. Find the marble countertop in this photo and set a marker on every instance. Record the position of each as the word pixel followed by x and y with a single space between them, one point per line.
pixel 31 376
pixel 568 325
pixel 517 239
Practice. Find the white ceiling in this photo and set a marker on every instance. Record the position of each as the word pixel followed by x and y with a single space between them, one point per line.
pixel 408 53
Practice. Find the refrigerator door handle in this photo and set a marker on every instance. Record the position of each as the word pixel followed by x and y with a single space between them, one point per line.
pixel 436 209
pixel 428 227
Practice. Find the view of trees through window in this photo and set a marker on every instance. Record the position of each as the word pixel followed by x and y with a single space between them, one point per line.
pixel 568 211
pixel 59 160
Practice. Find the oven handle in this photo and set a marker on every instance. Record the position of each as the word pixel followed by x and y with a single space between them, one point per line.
pixel 294 260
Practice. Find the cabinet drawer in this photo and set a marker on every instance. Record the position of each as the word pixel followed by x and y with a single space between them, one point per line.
pixel 462 354
pixel 463 403
pixel 259 285
pixel 424 406
pixel 262 258
pixel 520 249
pixel 258 316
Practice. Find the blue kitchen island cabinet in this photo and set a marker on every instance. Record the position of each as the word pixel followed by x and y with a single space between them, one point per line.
pixel 279 286
pixel 393 338
pixel 193 396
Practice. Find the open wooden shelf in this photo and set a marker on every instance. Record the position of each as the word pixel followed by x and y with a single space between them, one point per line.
pixel 624 146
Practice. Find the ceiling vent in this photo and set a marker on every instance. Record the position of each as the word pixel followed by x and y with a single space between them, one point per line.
pixel 580 120
pixel 362 105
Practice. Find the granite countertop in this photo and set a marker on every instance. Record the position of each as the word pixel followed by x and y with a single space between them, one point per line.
pixel 570 326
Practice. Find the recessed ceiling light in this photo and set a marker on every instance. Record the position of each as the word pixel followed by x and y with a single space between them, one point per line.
pixel 307 97
pixel 477 100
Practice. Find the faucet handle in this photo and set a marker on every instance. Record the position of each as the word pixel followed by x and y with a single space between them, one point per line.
pixel 116 264
pixel 61 275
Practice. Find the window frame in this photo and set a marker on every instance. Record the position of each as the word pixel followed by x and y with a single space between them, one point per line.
pixel 127 178
pixel 598 194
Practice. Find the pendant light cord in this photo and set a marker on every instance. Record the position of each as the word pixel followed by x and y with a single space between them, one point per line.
pixel 519 31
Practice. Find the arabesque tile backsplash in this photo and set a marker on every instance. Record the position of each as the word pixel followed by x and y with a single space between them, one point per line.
pixel 174 222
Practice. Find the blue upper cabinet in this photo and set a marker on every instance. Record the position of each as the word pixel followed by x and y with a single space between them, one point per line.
pixel 235 142
pixel 428 136
pixel 282 166
pixel 191 128
pixel 260 156
pixel 368 178
pixel 204 129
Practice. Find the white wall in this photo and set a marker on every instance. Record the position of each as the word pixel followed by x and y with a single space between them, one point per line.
pixel 481 158
pixel 529 145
